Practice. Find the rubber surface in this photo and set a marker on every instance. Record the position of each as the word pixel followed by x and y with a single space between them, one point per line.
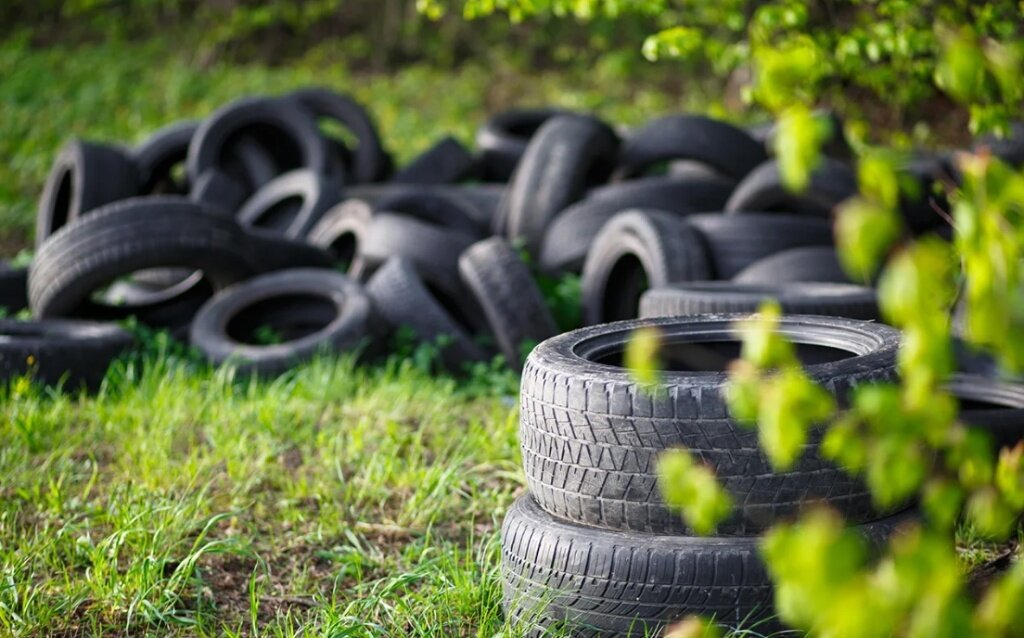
pixel 727 149
pixel 280 127
pixel 73 353
pixel 341 231
pixel 217 189
pixel 84 177
pixel 560 576
pixel 502 139
pixel 126 237
pixel 312 311
pixel 158 155
pixel 737 240
pixel 569 236
pixel 591 435
pixel 506 291
pixel 637 250
pixel 433 250
pixel 704 297
pixel 569 154
pixel 13 289
pixel 831 182
pixel 403 300
pixel 812 263
pixel 290 204
pixel 440 206
pixel 992 406
pixel 368 162
pixel 446 162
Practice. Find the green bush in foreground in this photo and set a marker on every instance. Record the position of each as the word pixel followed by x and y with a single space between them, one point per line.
pixel 904 439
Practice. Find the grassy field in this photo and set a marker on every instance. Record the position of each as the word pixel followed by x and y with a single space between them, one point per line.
pixel 335 501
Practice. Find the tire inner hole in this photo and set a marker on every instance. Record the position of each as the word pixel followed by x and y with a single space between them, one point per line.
pixel 280 215
pixel 715 356
pixel 626 282
pixel 281 319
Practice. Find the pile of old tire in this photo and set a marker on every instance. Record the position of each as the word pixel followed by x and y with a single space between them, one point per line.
pixel 593 549
pixel 263 236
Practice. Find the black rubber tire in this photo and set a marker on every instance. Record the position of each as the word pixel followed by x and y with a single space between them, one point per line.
pixel 74 354
pixel 316 311
pixel 591 434
pixel 571 233
pixel 994 407
pixel 724 147
pixel 290 204
pixel 636 250
pixel 400 296
pixel 446 162
pixel 84 177
pixel 811 263
pixel 369 161
pixel 503 139
pixel 342 231
pixel 504 288
pixel 128 236
pixel 737 240
pixel 280 126
pixel 558 576
pixel 709 297
pixel 218 190
pixel 440 206
pixel 433 250
pixel 157 156
pixel 568 155
pixel 13 289
pixel 762 189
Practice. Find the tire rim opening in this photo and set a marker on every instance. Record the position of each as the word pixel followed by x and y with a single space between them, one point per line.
pixel 281 319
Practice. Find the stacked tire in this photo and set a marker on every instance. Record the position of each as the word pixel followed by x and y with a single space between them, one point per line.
pixel 593 547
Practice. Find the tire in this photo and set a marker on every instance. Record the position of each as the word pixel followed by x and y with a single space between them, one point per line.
pixel 314 311
pixel 725 148
pixel 434 251
pixel 400 296
pixel 280 127
pixel 811 263
pixel 446 162
pixel 737 240
pixel 216 189
pixel 709 297
pixel 158 155
pixel 369 161
pixel 444 208
pixel 342 231
pixel 503 139
pixel 571 233
pixel 591 434
pixel 762 189
pixel 559 576
pixel 636 250
pixel 568 155
pixel 503 287
pixel 290 204
pixel 13 289
pixel 84 177
pixel 128 236
pixel 994 407
pixel 74 354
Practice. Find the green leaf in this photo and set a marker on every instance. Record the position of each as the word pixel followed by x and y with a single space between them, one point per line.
pixel 641 357
pixel 942 502
pixel 991 516
pixel 797 144
pixel 865 232
pixel 692 489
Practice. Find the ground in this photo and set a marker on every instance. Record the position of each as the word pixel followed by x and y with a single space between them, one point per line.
pixel 337 500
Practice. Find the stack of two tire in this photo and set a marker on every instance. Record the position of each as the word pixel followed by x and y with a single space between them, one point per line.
pixel 593 550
